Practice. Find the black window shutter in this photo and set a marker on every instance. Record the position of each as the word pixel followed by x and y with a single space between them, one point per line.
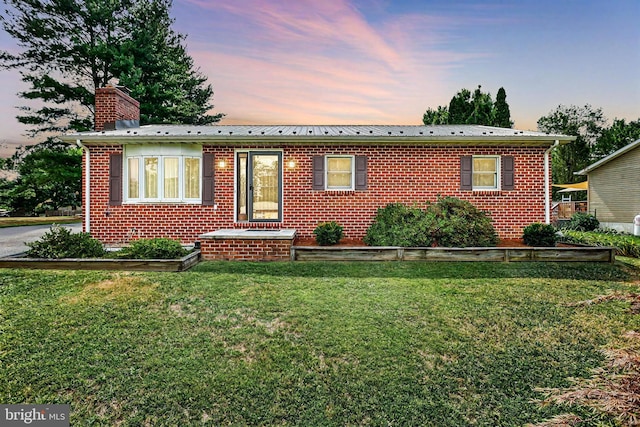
pixel 361 172
pixel 466 173
pixel 507 172
pixel 207 179
pixel 115 179
pixel 318 172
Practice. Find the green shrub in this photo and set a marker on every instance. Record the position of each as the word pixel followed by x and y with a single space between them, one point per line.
pixel 625 244
pixel 458 223
pixel 60 242
pixel 156 248
pixel 328 233
pixel 399 225
pixel 449 222
pixel 539 235
pixel 581 221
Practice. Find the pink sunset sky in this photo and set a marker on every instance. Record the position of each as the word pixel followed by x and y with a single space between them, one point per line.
pixel 386 62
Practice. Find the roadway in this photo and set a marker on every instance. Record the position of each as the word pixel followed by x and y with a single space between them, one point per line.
pixel 13 239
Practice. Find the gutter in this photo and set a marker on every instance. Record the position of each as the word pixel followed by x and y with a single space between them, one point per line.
pixel 87 187
pixel 451 140
pixel 547 184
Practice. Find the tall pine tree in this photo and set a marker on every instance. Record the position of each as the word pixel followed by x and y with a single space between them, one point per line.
pixel 501 108
pixel 72 47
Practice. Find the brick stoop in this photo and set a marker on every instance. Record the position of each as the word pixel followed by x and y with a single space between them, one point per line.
pixel 247 245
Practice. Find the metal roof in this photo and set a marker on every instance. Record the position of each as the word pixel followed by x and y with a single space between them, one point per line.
pixel 307 133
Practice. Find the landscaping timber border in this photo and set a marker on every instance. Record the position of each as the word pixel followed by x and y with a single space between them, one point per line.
pixel 495 254
pixel 180 264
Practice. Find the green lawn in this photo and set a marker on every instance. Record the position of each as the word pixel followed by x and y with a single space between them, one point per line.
pixel 37 220
pixel 311 344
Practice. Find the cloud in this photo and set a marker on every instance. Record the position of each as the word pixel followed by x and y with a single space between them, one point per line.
pixel 321 62
pixel 309 24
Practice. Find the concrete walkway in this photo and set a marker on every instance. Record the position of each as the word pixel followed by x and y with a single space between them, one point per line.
pixel 12 239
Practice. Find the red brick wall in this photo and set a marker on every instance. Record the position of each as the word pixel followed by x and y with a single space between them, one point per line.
pixel 113 104
pixel 407 174
pixel 246 250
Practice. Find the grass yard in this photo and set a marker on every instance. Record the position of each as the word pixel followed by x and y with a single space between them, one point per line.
pixel 312 344
pixel 37 220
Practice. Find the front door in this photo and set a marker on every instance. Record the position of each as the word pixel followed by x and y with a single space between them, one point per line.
pixel 259 181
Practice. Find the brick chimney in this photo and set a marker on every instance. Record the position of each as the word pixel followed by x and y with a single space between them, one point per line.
pixel 115 109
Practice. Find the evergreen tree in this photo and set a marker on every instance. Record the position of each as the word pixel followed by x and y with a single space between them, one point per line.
pixel 477 108
pixel 72 47
pixel 501 108
pixel 160 73
pixel 482 109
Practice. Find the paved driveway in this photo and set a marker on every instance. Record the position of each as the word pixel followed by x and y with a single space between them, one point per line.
pixel 12 239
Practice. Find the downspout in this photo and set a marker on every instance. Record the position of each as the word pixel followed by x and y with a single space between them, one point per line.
pixel 87 187
pixel 547 184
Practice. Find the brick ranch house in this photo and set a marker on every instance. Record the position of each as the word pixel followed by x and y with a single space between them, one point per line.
pixel 244 192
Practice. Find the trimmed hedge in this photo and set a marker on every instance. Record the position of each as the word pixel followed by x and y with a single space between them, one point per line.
pixel 156 248
pixel 328 233
pixel 625 244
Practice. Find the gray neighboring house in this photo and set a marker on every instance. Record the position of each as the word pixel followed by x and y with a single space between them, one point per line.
pixel 614 188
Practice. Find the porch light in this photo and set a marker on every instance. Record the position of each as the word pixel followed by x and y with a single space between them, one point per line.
pixel 291 164
pixel 222 164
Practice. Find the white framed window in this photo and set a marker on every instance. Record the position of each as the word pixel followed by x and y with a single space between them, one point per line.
pixel 340 174
pixel 155 173
pixel 486 172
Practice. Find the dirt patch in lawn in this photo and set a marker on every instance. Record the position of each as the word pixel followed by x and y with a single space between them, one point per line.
pixel 120 287
pixel 614 389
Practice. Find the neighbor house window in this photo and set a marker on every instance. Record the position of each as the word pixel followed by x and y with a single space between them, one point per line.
pixel 340 172
pixel 163 173
pixel 486 172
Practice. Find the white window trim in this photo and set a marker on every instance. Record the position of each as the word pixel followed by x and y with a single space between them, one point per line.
pixel 326 172
pixel 161 153
pixel 498 174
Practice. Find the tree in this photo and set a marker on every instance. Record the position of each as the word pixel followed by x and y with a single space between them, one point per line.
pixel 49 177
pixel 615 137
pixel 436 117
pixel 475 108
pixel 460 107
pixel 586 124
pixel 502 114
pixel 72 47
pixel 6 185
pixel 160 73
pixel 483 112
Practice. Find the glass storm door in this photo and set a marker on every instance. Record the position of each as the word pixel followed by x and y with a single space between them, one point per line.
pixel 259 189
